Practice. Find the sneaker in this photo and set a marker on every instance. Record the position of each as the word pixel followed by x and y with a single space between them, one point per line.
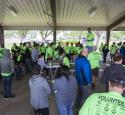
pixel 5 98
pixel 12 96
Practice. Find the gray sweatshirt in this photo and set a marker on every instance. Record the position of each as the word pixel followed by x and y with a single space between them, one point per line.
pixel 39 90
pixel 6 63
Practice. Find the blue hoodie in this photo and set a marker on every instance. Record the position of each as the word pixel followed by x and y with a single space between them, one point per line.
pixel 83 71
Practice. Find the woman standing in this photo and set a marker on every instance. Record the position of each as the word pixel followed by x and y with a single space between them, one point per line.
pixel 39 92
pixel 65 88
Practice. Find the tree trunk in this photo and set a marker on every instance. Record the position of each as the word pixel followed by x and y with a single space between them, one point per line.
pixel 98 34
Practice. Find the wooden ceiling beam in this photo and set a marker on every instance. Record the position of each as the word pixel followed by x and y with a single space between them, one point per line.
pixel 53 11
pixel 115 23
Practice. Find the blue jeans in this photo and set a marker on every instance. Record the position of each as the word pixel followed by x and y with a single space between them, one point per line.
pixel 18 71
pixel 7 84
pixel 65 109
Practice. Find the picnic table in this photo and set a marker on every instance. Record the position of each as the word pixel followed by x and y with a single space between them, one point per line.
pixel 52 67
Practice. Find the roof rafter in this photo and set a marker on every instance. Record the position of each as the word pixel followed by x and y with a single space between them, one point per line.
pixel 53 11
pixel 116 23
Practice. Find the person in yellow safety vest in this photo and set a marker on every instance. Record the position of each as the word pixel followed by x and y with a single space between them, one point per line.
pixel 24 47
pixel 94 58
pixel 60 49
pixel 49 52
pixel 89 40
pixel 100 49
pixel 43 50
pixel 19 58
pixel 54 46
pixel 113 50
pixel 66 60
pixel 6 71
pixel 18 64
pixel 109 103
pixel 79 48
pixel 101 46
pixel 72 51
pixel 14 48
pixel 1 52
pixel 67 48
pixel 56 54
pixel 21 46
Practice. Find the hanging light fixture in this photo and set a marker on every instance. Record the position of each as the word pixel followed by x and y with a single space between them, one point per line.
pixel 13 11
pixel 92 11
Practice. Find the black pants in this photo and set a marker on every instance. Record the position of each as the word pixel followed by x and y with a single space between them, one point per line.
pixel 44 111
pixel 104 57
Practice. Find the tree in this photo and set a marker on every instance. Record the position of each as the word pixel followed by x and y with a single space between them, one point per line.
pixel 98 34
pixel 117 35
pixel 23 34
pixel 45 34
pixel 10 33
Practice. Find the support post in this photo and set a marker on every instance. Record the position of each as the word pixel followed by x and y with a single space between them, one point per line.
pixel 107 37
pixel 54 36
pixel 53 11
pixel 1 36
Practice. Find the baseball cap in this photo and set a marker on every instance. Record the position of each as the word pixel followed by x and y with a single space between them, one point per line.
pixel 118 76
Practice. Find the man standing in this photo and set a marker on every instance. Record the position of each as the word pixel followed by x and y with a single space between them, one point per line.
pixel 110 103
pixel 49 52
pixel 94 57
pixel 115 67
pixel 83 77
pixel 67 48
pixel 105 51
pixel 122 50
pixel 28 60
pixel 89 40
pixel 7 69
pixel 113 50
pixel 34 54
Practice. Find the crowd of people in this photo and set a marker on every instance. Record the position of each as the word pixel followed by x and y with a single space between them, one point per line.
pixel 70 91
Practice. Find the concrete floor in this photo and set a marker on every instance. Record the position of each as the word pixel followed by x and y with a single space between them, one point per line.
pixel 20 105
